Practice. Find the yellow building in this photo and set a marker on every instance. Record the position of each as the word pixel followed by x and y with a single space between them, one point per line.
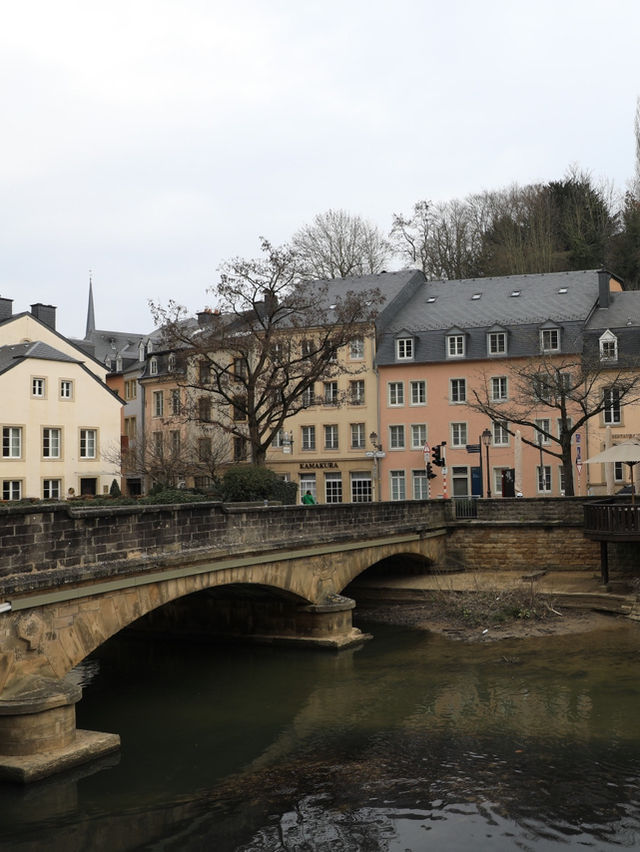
pixel 60 422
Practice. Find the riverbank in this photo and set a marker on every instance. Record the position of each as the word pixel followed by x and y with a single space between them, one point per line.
pixel 488 606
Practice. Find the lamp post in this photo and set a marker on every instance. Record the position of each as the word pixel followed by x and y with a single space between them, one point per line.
pixel 486 440
pixel 376 454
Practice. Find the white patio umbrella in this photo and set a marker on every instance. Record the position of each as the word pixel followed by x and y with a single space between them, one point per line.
pixel 627 452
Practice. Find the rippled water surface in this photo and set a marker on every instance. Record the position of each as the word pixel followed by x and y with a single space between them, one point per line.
pixel 412 742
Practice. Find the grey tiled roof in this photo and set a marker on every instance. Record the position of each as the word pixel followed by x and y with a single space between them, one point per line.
pixel 623 312
pixel 566 299
pixel 10 355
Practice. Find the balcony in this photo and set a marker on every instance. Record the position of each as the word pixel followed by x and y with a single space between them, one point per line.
pixel 617 519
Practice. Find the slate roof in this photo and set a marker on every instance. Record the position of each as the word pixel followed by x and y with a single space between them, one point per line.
pixel 623 312
pixel 11 355
pixel 566 299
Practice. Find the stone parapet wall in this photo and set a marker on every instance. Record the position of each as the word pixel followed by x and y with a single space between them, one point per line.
pixel 77 544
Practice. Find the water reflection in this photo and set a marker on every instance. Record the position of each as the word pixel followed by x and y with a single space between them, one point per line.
pixel 411 742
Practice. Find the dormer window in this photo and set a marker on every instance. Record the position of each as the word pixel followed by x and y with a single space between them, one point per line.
pixel 153 366
pixel 172 362
pixel 608 346
pixel 404 348
pixel 550 339
pixel 497 343
pixel 149 346
pixel 141 351
pixel 119 364
pixel 455 346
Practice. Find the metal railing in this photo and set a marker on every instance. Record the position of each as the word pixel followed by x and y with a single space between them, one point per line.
pixel 465 507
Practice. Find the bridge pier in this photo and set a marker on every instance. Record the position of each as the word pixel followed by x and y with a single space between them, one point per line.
pixel 38 734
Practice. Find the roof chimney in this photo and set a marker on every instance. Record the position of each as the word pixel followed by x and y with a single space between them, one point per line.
pixel 6 308
pixel 45 313
pixel 603 288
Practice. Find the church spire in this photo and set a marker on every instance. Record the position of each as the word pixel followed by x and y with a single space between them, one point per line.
pixel 91 320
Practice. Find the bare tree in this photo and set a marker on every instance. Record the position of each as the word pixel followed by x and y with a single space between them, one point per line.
pixel 253 361
pixel 554 397
pixel 636 132
pixel 337 244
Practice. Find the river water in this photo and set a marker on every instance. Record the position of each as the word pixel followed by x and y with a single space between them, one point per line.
pixel 411 742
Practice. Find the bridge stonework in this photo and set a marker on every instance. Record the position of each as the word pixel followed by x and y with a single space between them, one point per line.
pixel 73 578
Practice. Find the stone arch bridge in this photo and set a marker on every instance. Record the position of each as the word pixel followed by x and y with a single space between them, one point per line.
pixel 71 578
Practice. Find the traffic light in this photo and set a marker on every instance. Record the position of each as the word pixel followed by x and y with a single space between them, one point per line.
pixel 430 473
pixel 436 455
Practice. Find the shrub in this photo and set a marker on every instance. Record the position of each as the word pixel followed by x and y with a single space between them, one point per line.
pixel 114 491
pixel 246 483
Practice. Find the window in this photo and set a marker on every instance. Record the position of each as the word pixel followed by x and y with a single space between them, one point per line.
pixel 458 434
pixel 11 442
pixel 131 428
pixel 332 488
pixel 306 348
pixel 618 472
pixel 330 393
pixel 308 483
pixel 543 475
pixel 612 411
pixel 202 481
pixel 174 442
pixel 418 436
pixel 88 441
pixel 204 409
pixel 608 347
pixel 308 397
pixel 308 437
pixel 153 366
pixel 356 392
pixel 171 363
pixel 455 345
pixel 331 437
pixel 158 444
pixel 11 489
pixel 550 339
pixel 204 449
pixel 175 402
pixel 356 353
pixel 239 368
pixel 361 491
pixel 498 388
pixel 420 486
pixel 239 409
pixel 357 436
pixel 544 425
pixel 51 489
pixel 130 389
pixel 404 348
pixel 418 392
pixel 498 474
pixel 50 443
pixel 500 434
pixel 239 449
pixel 396 393
pixel 458 390
pixel 542 388
pixel 158 403
pixel 38 387
pixel 569 426
pixel 460 481
pixel 561 479
pixel 66 389
pixel 497 343
pixel 203 373
pixel 396 437
pixel 398 486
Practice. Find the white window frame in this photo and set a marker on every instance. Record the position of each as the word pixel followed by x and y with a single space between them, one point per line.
pixel 455 346
pixel 158 403
pixel 404 349
pixel 38 387
pixel 608 346
pixel 538 437
pixel 51 489
pixel 419 484
pixel 418 392
pixel 331 393
pixel 356 392
pixel 497 343
pixel 500 434
pixel 395 394
pixel 356 349
pixel 153 366
pixel 612 411
pixel 12 489
pixel 358 438
pixel 457 391
pixel 459 431
pixel 66 389
pixel 549 339
pixel 397 485
pixel 331 436
pixel 418 435
pixel 543 486
pixel 53 436
pixel 501 385
pixel 308 434
pixel 397 437
pixel 333 488
pixel 88 443
pixel 361 486
pixel 12 441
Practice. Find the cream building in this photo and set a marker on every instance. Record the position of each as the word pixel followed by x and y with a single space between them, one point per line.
pixel 60 422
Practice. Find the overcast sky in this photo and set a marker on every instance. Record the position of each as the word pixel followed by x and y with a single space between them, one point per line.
pixel 149 140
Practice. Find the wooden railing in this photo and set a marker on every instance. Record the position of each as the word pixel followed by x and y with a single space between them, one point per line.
pixel 612 520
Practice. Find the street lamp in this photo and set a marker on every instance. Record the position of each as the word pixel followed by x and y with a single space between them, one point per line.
pixel 486 440
pixel 376 454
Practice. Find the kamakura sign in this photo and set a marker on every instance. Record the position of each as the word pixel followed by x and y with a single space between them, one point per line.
pixel 318 465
